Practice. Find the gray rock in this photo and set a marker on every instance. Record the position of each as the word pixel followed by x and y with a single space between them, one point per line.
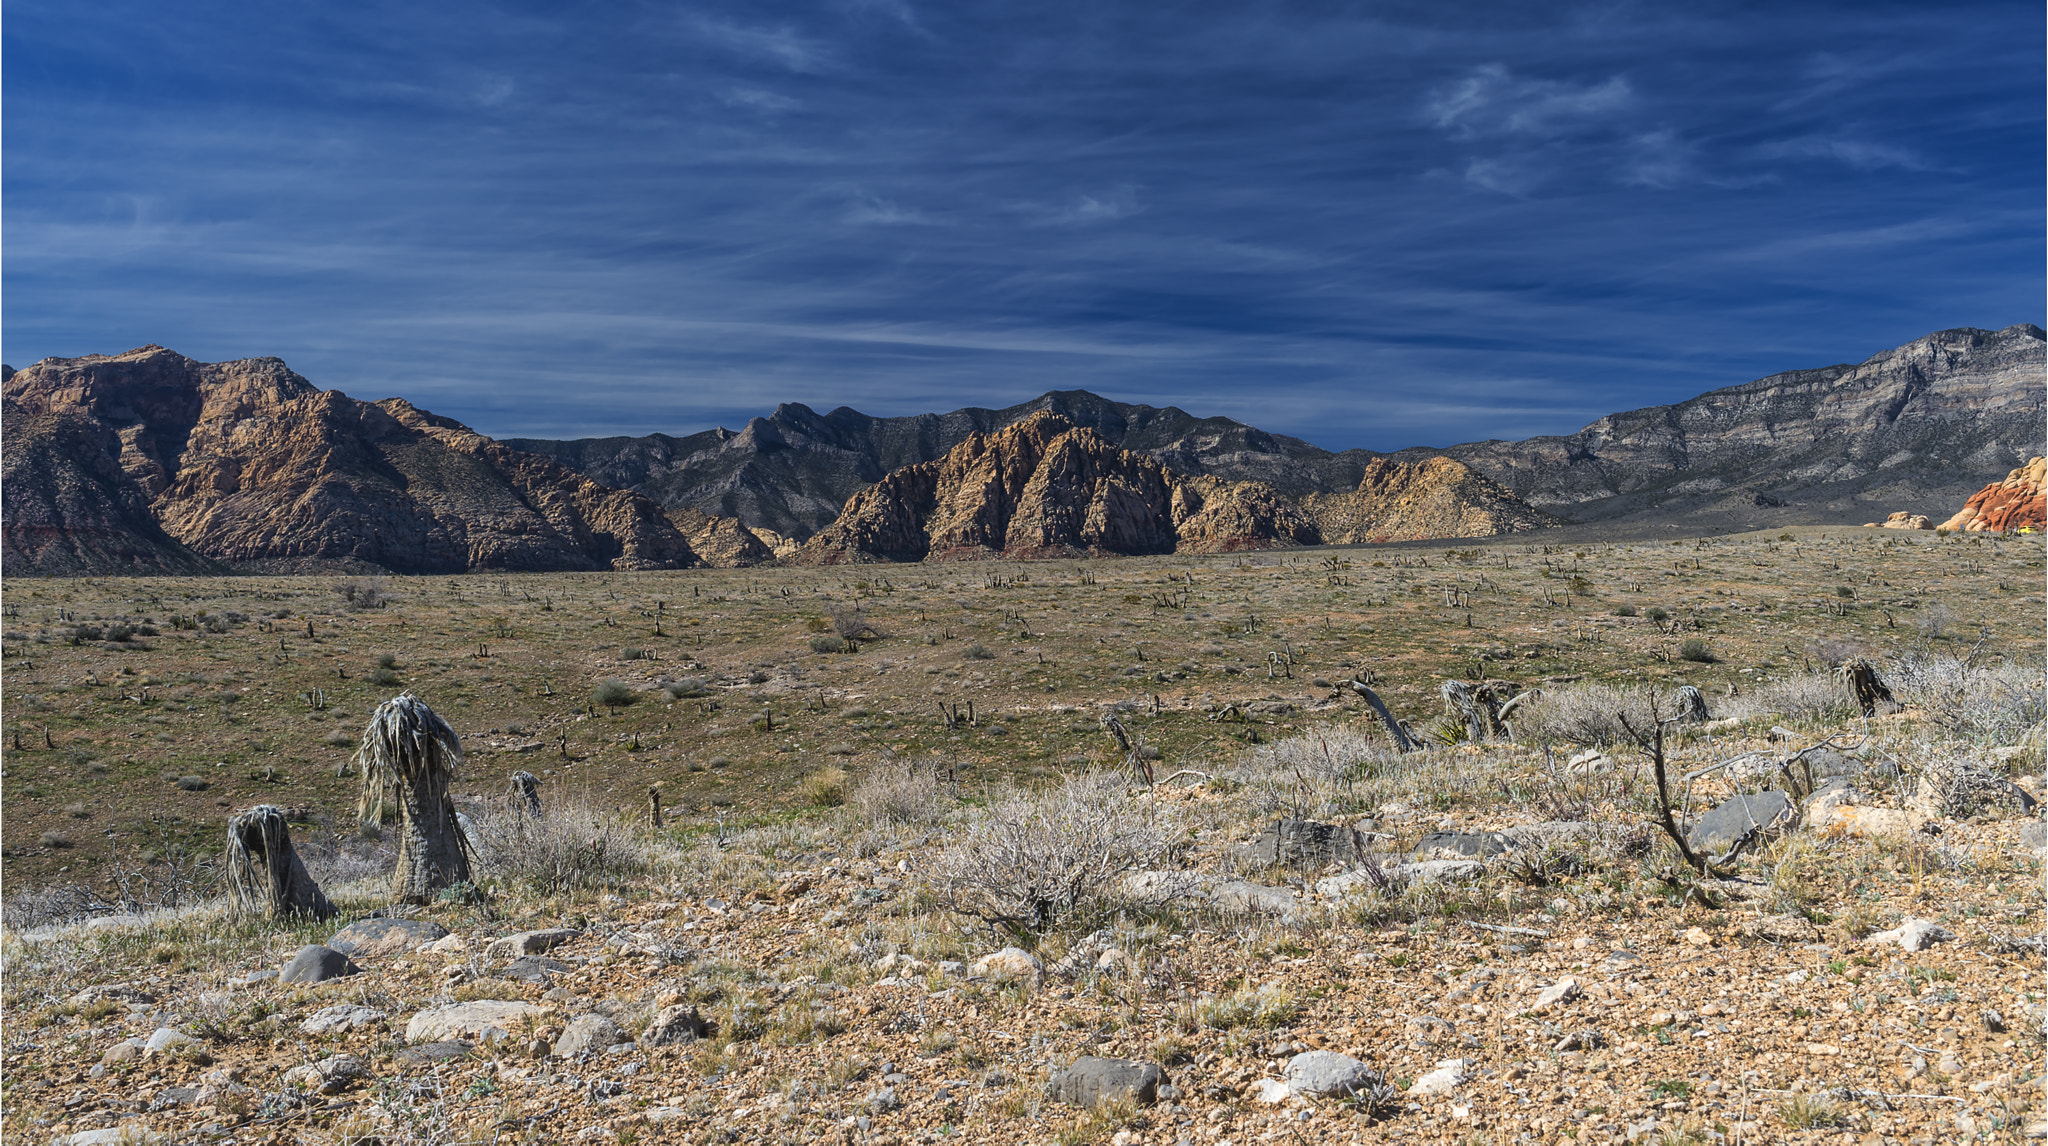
pixel 1327 1072
pixel 427 1054
pixel 883 1101
pixel 586 1034
pixel 485 1019
pixel 1913 935
pixel 1551 832
pixel 2034 834
pixel 118 992
pixel 316 964
pixel 127 1050
pixel 1306 843
pixel 1011 964
pixel 370 938
pixel 533 969
pixel 339 1018
pixel 1091 1081
pixel 677 1024
pixel 132 1134
pixel 1435 871
pixel 165 1041
pixel 1465 845
pixel 529 942
pixel 1733 818
pixel 330 1075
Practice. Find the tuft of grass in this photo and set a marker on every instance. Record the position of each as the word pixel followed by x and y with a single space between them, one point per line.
pixel 1814 1111
pixel 1265 1008
pixel 825 787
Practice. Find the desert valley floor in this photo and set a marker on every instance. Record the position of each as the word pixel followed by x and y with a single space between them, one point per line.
pixel 830 747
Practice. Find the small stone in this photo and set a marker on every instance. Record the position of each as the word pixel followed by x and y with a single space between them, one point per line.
pixel 2034 834
pixel 1698 937
pixel 1560 992
pixel 372 938
pixel 165 1041
pixel 585 1034
pixel 529 943
pixel 1447 1076
pixel 316 964
pixel 1327 1072
pixel 339 1018
pixel 330 1075
pixel 118 992
pixel 883 1101
pixel 446 945
pixel 1913 935
pixel 1463 845
pixel 532 969
pixel 1270 1091
pixel 1091 1081
pixel 1011 964
pixel 127 1050
pixel 428 1054
pixel 676 1024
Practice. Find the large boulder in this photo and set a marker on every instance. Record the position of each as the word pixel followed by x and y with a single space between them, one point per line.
pixel 316 964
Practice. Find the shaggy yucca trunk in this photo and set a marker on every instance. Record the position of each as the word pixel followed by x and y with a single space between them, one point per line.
pixel 413 752
pixel 264 873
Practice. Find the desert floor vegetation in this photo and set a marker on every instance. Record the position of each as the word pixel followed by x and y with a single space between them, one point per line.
pixel 1024 813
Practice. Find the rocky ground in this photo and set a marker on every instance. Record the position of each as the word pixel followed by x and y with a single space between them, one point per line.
pixel 1320 940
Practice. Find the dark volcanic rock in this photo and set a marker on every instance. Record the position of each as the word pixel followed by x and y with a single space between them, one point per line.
pixel 1731 819
pixel 316 964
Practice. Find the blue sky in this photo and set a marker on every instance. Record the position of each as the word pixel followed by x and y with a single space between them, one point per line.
pixel 1365 225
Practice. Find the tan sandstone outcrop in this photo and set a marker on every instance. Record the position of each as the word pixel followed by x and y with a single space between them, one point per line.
pixel 1415 501
pixel 1046 488
pixel 2020 501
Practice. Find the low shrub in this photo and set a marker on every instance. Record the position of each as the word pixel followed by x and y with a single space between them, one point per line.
pixel 827 643
pixel 613 694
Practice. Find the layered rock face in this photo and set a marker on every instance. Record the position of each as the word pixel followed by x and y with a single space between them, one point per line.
pixel 2018 502
pixel 1047 488
pixel 1417 501
pixel 1907 425
pixel 247 463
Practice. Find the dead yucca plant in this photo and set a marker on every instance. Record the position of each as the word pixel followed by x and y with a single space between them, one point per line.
pixel 264 873
pixel 410 752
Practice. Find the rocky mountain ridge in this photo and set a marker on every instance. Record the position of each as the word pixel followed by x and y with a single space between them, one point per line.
pixel 1924 424
pixel 1045 487
pixel 149 461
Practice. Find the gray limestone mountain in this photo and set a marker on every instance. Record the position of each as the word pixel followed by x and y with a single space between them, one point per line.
pixel 1923 425
pixel 1920 428
pixel 150 462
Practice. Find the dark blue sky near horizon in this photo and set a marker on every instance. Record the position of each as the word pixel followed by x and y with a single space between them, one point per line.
pixel 1374 225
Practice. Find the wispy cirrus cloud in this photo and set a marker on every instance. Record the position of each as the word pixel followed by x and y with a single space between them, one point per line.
pixel 1423 224
pixel 1492 101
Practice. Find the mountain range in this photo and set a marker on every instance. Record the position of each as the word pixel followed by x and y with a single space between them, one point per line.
pixel 1923 425
pixel 151 462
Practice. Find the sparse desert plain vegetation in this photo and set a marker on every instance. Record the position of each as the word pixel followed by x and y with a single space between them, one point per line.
pixel 872 779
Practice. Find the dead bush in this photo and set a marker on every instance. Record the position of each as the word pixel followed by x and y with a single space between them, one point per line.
pixel 1033 860
pixel 1589 714
pixel 577 844
pixel 903 792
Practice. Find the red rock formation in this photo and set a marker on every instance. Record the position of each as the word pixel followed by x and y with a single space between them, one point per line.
pixel 2018 502
pixel 1045 488
pixel 248 463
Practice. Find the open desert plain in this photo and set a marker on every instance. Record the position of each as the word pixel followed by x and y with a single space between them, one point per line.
pixel 1070 850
